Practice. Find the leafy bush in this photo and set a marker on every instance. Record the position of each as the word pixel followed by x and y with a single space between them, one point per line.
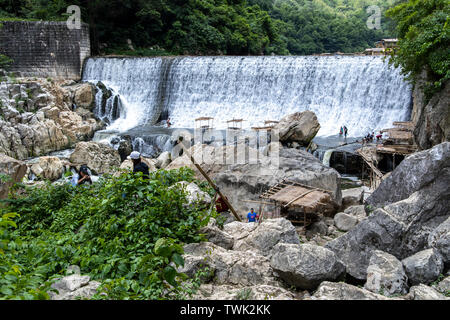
pixel 125 231
pixel 424 41
pixel 5 61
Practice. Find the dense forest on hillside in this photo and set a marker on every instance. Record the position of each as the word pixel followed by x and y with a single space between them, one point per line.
pixel 235 27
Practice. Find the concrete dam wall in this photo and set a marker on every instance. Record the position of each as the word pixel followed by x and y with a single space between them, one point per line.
pixel 45 49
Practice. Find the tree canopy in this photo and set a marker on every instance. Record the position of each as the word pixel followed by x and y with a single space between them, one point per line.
pixel 424 31
pixel 233 27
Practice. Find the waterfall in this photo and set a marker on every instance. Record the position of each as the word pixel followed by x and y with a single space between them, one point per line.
pixel 327 156
pixel 362 92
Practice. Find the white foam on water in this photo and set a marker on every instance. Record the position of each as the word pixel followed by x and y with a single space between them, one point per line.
pixel 364 93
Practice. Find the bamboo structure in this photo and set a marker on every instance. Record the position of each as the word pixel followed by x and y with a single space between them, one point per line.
pixel 308 202
pixel 212 184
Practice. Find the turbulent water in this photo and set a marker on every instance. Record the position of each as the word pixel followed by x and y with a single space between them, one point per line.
pixel 363 93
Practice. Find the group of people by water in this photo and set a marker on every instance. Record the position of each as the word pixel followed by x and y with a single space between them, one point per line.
pixel 371 136
pixel 343 131
pixel 84 174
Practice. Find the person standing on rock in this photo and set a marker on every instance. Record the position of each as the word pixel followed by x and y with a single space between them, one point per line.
pixel 139 165
pixel 252 216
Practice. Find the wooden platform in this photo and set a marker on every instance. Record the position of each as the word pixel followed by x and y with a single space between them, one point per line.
pixel 397 149
pixel 304 202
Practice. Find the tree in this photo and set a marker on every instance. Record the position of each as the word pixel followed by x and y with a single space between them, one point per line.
pixel 424 40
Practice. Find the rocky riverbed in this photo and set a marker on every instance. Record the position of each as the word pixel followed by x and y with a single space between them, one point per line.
pixel 388 243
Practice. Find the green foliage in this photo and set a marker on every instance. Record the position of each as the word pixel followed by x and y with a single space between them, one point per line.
pixel 125 232
pixel 5 61
pixel 244 294
pixel 424 40
pixel 233 27
pixel 310 27
pixel 18 280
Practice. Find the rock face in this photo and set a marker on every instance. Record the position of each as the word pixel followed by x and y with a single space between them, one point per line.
pixel 248 181
pixel 385 274
pixel 37 117
pixel 257 292
pixel 356 211
pixel 440 239
pixel 423 267
pixel 414 173
pixel 305 266
pixel 74 286
pixel 415 200
pixel 262 238
pixel 227 267
pixel 128 165
pixel 163 160
pixel 443 286
pixel 299 127
pixel 352 197
pixel 345 222
pixel 432 119
pixel 217 236
pixel 240 180
pixel 125 148
pixel 423 292
pixel 194 193
pixel 14 171
pixel 84 96
pixel 100 158
pixel 343 291
pixel 48 168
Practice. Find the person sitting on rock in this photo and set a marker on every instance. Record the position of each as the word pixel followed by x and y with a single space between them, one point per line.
pixel 221 205
pixel 252 216
pixel 139 165
pixel 84 176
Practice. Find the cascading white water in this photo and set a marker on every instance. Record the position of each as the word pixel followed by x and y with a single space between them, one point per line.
pixel 361 92
pixel 136 80
pixel 327 156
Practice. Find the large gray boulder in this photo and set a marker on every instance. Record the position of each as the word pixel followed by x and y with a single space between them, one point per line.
pixel 74 286
pixel 343 291
pixel 424 266
pixel 48 168
pixel 414 173
pixel 299 127
pixel 305 266
pixel 345 222
pixel 401 228
pixel 100 158
pixel 163 160
pixel 354 248
pixel 256 292
pixel 262 238
pixel 423 292
pixel 385 275
pixel 443 286
pixel 218 237
pixel 193 193
pixel 227 267
pixel 352 197
pixel 440 239
pixel 248 181
pixel 13 171
pixel 356 211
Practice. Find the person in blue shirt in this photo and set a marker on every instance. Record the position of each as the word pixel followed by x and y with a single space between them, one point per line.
pixel 252 216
